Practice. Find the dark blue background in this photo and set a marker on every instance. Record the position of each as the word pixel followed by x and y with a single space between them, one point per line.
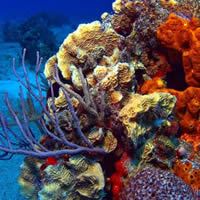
pixel 76 10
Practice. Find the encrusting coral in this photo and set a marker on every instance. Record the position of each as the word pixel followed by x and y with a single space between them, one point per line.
pixel 187 108
pixel 187 166
pixel 87 39
pixel 140 111
pixel 152 183
pixel 77 179
pixel 30 178
pixel 112 127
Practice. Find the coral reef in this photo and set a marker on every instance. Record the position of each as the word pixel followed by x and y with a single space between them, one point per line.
pixel 75 179
pixel 187 108
pixel 159 151
pixel 79 178
pixel 183 35
pixel 30 178
pixel 116 123
pixel 89 41
pixel 189 172
pixel 140 108
pixel 152 183
pixel 187 165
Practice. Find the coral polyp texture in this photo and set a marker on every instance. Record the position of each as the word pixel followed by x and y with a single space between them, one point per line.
pixel 121 116
pixel 183 35
pixel 152 183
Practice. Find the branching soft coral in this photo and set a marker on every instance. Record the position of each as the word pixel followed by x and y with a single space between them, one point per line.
pixel 26 143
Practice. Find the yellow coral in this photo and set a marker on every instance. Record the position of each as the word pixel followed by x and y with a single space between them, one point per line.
pixel 75 76
pixel 84 41
pixel 94 173
pixel 110 142
pixel 115 97
pixel 111 60
pixel 171 3
pixel 119 74
pixel 28 175
pixel 118 5
pixel 49 67
pixel 111 80
pixel 125 75
pixel 137 104
pixel 91 79
pixel 100 72
pixel 60 101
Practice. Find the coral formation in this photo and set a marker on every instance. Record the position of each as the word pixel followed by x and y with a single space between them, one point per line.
pixel 159 151
pixel 75 179
pixel 88 42
pixel 189 172
pixel 187 108
pixel 145 107
pixel 152 183
pixel 183 35
pixel 35 34
pixel 30 178
pixel 187 165
pixel 115 123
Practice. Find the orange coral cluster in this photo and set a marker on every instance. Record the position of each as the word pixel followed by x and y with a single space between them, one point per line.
pixel 189 173
pixel 194 140
pixel 187 107
pixel 183 35
pixel 152 85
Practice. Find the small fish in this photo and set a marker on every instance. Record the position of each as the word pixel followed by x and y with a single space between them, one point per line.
pixel 159 122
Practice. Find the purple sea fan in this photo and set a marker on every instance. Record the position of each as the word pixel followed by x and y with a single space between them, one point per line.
pixel 24 141
pixel 153 183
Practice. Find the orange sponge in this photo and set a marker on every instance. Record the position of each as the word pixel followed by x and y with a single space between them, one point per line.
pixel 183 35
pixel 188 172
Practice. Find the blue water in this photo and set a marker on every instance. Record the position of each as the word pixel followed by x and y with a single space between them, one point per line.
pixel 78 11
pixel 18 11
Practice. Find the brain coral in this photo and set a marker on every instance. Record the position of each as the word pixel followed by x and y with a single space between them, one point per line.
pixel 153 183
